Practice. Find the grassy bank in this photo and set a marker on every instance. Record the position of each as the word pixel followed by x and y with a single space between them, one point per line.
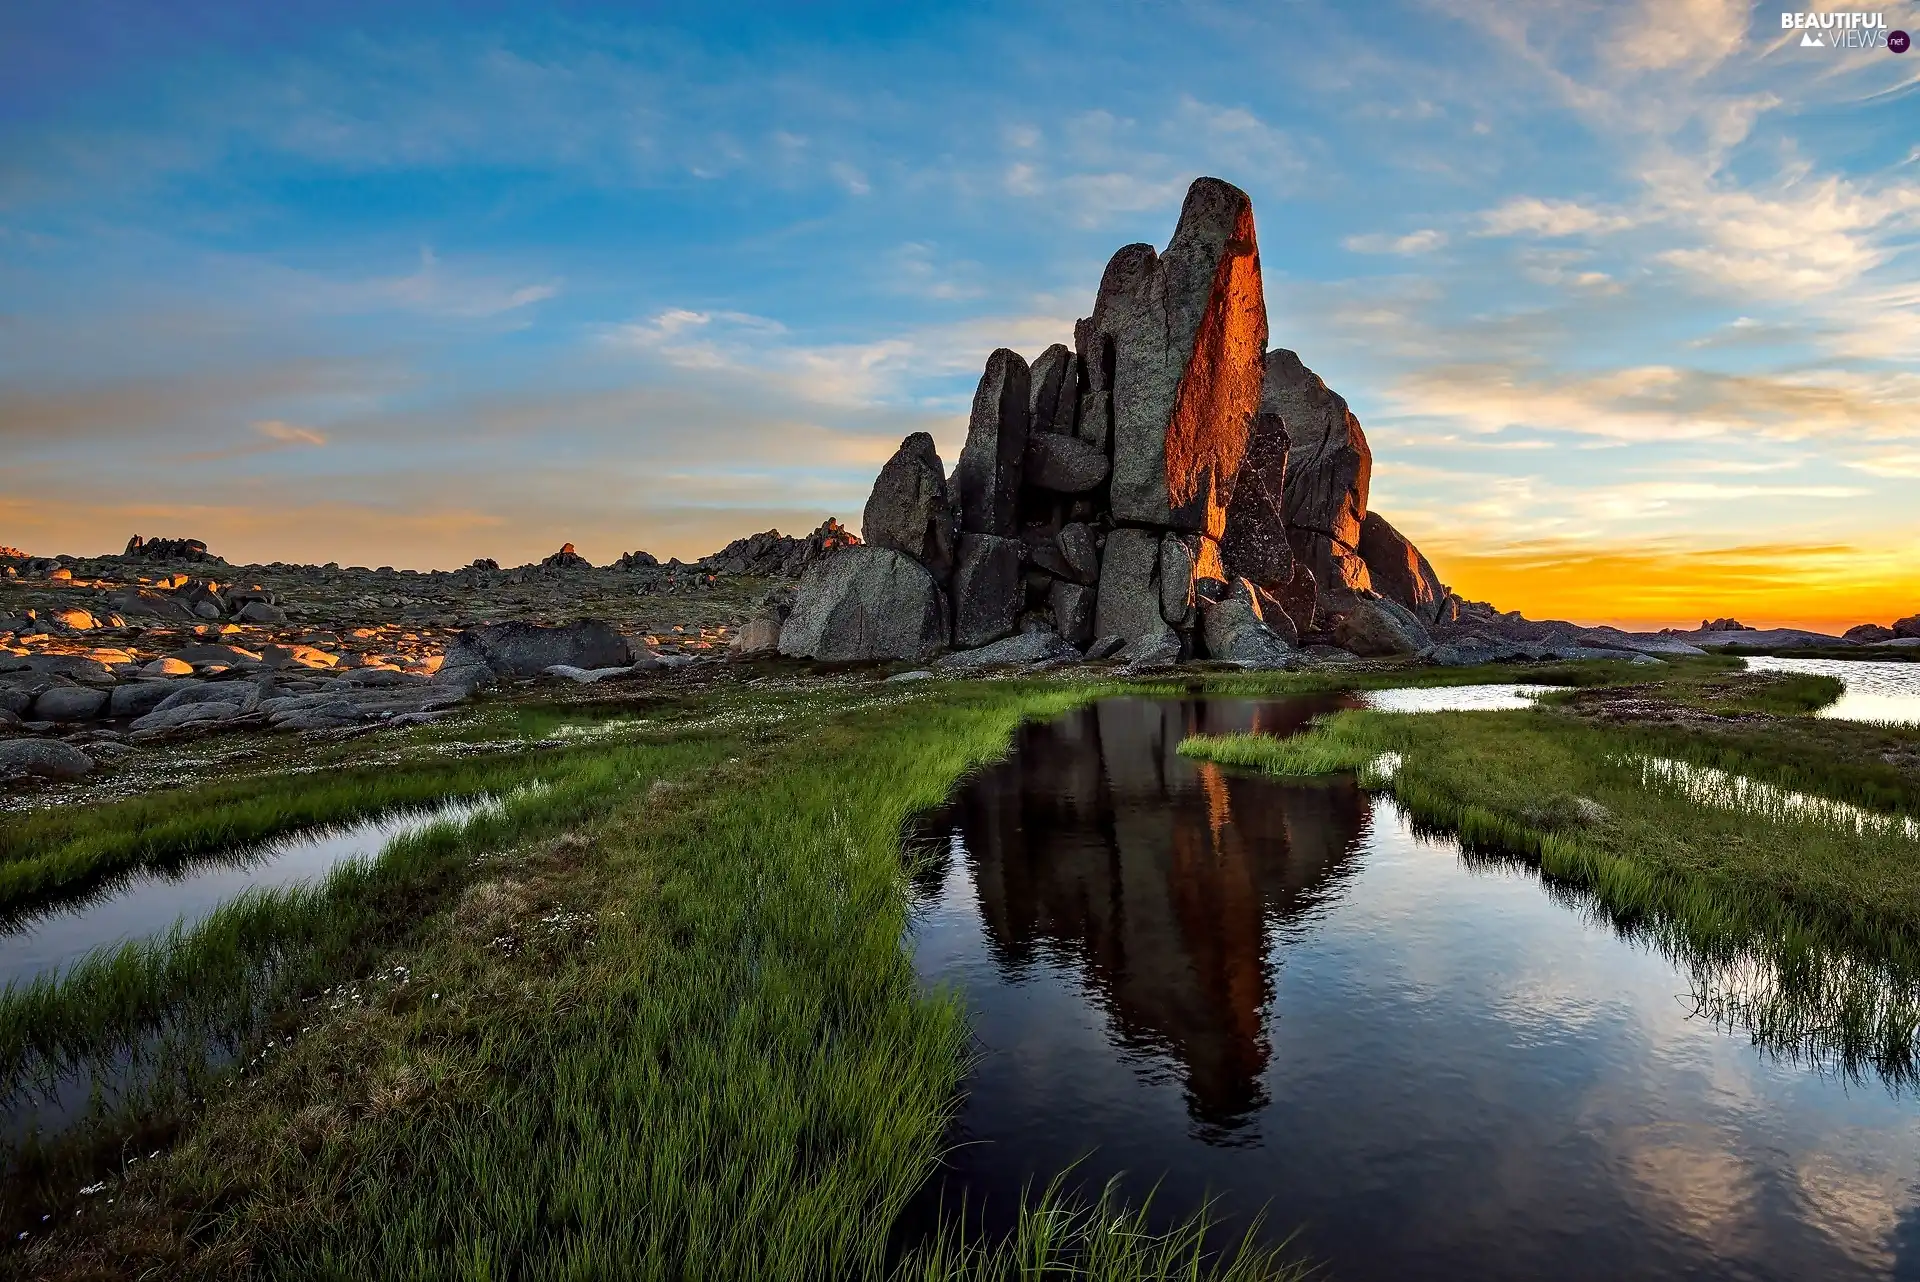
pixel 672 1033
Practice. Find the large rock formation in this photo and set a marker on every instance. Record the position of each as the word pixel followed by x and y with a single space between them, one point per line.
pixel 1165 485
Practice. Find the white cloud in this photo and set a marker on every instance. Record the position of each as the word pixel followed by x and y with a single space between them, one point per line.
pixel 289 433
pixel 1532 216
pixel 1424 241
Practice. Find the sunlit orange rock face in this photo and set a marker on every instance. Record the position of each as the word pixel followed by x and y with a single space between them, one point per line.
pixel 1183 333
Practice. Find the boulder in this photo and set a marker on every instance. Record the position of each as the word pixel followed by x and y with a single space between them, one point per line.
pixel 1072 607
pixel 1080 552
pixel 1179 337
pixel 1907 627
pixel 168 667
pixel 73 619
pixel 519 649
pixel 759 636
pixel 1054 401
pixel 1157 650
pixel 1128 605
pixel 865 603
pixel 261 612
pixel 566 559
pixel 986 480
pixel 186 714
pixel 910 510
pixel 1235 630
pixel 1329 468
pixel 1868 632
pixel 1255 544
pixel 77 667
pixel 593 676
pixel 209 652
pixel 1374 629
pixel 1063 464
pixel 1026 647
pixel 1177 559
pixel 69 703
pixel 987 590
pixel 1398 571
pixel 44 759
pixel 137 698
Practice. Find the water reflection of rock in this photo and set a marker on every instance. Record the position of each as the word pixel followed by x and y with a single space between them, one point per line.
pixel 1161 879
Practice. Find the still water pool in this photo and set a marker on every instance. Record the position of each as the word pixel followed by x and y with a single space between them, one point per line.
pixel 1432 1065
pixel 1875 690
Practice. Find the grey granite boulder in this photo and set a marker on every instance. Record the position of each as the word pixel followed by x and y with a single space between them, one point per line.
pixel 987 590
pixel 1236 631
pixel 1129 601
pixel 69 703
pixel 1063 464
pixel 1177 560
pixel 1372 629
pixel 1399 571
pixel 1183 332
pixel 1329 469
pixel 865 603
pixel 43 759
pixel 1054 400
pixel 1026 647
pixel 986 480
pixel 519 649
pixel 137 698
pixel 187 714
pixel 1255 544
pixel 910 510
pixel 1072 607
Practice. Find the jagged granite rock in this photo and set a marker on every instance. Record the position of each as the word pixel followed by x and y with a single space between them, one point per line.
pixel 1128 605
pixel 1177 559
pixel 910 509
pixel 1236 631
pixel 519 649
pixel 987 590
pixel 169 550
pixel 1023 648
pixel 566 559
pixel 1376 628
pixel 44 759
pixel 1053 401
pixel 1072 607
pixel 771 553
pixel 634 560
pixel 1398 570
pixel 1907 627
pixel 1255 544
pixel 1063 464
pixel 1182 335
pixel 1868 633
pixel 1329 468
pixel 986 480
pixel 866 603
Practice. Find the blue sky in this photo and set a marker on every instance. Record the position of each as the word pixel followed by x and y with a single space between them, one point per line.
pixel 1627 295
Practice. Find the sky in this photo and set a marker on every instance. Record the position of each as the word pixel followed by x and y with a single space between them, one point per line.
pixel 1626 293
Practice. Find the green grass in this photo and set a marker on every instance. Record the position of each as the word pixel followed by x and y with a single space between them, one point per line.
pixel 723 1067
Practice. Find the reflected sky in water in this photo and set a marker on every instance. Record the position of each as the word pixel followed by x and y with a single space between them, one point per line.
pixel 1276 992
pixel 1876 690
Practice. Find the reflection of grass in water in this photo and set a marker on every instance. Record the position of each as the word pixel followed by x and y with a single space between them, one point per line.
pixel 1826 908
pixel 1060 1236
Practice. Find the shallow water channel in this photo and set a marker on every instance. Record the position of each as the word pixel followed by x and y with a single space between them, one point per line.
pixel 152 901
pixel 1876 690
pixel 1432 1066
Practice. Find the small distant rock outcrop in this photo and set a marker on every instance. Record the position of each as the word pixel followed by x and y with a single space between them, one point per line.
pixel 169 550
pixel 566 559
pixel 1165 484
pixel 775 555
pixel 1724 625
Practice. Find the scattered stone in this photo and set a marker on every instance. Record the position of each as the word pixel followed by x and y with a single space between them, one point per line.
pixel 168 667
pixel 592 676
pixel 73 618
pixel 918 674
pixel 261 612
pixel 865 603
pixel 44 759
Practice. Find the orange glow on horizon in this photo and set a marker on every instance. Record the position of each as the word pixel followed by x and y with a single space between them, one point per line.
pixel 1827 588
